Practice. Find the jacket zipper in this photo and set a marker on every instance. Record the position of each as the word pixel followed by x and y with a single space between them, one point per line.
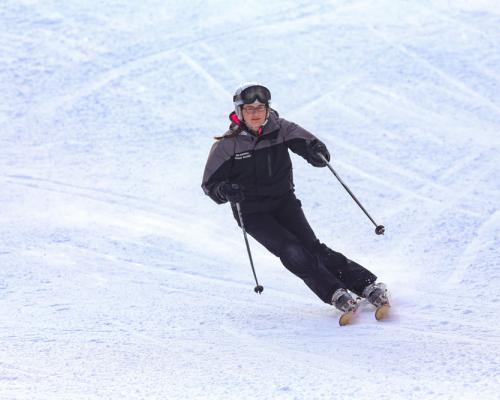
pixel 269 168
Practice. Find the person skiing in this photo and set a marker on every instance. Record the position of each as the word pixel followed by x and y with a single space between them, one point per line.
pixel 250 165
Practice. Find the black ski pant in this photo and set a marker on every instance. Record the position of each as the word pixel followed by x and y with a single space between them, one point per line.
pixel 283 229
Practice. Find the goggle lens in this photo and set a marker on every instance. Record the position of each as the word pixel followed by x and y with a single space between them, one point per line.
pixel 253 93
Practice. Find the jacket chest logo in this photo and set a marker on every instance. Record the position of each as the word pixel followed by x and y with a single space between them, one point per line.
pixel 241 156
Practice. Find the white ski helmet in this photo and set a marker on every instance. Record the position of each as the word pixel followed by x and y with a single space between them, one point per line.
pixel 248 93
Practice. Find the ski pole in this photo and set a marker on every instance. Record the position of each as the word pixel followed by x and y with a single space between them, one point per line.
pixel 379 229
pixel 258 289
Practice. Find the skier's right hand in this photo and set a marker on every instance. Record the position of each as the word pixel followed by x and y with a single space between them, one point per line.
pixel 231 192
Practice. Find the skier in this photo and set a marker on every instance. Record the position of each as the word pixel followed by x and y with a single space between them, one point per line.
pixel 250 165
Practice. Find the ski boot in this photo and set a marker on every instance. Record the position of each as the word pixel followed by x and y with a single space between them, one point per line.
pixel 376 294
pixel 344 302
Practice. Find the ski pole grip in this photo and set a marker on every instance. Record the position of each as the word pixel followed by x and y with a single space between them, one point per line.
pixel 322 157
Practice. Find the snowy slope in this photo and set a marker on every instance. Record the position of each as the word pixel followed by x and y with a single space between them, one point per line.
pixel 119 279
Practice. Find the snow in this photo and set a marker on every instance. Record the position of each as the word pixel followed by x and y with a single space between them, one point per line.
pixel 120 279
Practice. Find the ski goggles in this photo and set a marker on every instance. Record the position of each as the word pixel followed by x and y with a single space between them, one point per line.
pixel 253 93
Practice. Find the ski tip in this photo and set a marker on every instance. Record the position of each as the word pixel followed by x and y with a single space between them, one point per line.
pixel 345 318
pixel 382 312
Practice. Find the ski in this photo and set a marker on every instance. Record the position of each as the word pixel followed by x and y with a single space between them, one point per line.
pixel 381 313
pixel 347 317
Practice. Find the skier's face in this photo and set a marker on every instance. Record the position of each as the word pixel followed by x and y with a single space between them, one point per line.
pixel 254 115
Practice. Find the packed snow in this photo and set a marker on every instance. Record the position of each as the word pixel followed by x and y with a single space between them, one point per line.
pixel 120 279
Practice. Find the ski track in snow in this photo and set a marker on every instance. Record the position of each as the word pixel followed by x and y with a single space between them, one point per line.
pixel 121 280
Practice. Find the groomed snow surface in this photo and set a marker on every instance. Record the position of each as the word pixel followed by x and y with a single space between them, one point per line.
pixel 120 279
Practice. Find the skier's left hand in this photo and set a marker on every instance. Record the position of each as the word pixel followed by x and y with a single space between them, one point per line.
pixel 316 147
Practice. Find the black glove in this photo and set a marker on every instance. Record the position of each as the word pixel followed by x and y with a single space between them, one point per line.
pixel 231 192
pixel 316 147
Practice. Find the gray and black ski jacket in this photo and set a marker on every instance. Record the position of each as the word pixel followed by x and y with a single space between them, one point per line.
pixel 259 163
